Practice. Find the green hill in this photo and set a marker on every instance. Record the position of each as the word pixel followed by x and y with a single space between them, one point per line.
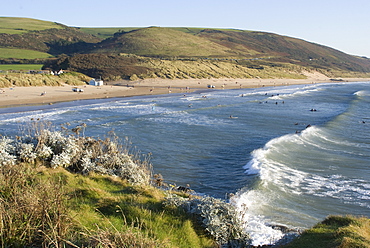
pixel 15 25
pixel 164 42
pixel 242 49
pixel 229 44
pixel 43 36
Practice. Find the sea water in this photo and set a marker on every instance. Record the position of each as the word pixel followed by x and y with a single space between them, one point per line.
pixel 290 155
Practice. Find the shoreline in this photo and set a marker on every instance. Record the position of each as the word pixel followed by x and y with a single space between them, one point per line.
pixel 49 95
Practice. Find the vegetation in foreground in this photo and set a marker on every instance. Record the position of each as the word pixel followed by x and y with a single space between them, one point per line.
pixel 59 188
pixel 43 207
pixel 336 231
pixel 62 189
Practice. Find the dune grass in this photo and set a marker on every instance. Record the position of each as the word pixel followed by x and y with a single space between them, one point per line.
pixel 25 80
pixel 106 32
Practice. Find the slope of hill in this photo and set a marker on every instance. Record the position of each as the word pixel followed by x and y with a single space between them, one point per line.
pixel 163 42
pixel 16 25
pixel 42 36
pixel 234 44
pixel 249 49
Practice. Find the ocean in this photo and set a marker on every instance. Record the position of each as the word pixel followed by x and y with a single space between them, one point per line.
pixel 287 155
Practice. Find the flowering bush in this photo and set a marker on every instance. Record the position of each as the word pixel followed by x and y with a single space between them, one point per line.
pixel 79 154
pixel 217 216
pixel 6 151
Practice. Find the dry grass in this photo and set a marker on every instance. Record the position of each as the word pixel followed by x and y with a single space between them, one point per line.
pixel 31 211
pixel 26 80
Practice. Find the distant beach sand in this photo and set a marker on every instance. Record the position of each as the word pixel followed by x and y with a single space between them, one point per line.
pixel 22 96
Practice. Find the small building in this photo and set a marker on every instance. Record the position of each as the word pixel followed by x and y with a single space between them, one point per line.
pixel 96 82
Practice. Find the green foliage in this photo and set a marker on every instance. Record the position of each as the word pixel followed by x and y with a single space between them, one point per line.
pixel 42 207
pixel 20 67
pixel 336 231
pixel 22 53
pixel 163 42
pixel 15 25
pixel 105 33
pixel 49 38
pixel 174 52
pixel 113 67
pixel 51 207
pixel 177 43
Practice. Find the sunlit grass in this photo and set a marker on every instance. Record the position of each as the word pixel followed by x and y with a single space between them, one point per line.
pixel 20 67
pixel 97 210
pixel 336 231
pixel 12 25
pixel 17 53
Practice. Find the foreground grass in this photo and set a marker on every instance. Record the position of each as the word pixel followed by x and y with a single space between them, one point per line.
pixel 336 231
pixel 40 206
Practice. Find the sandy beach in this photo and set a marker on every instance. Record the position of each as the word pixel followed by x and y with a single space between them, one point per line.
pixel 22 96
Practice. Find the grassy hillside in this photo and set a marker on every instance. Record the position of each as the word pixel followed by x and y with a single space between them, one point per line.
pixel 22 53
pixel 229 44
pixel 105 33
pixel 164 42
pixel 42 36
pixel 115 67
pixel 20 67
pixel 230 53
pixel 336 231
pixel 15 25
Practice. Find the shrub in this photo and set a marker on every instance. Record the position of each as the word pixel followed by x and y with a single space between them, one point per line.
pixel 77 153
pixel 217 217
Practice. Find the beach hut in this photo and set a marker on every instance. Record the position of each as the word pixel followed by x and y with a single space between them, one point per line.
pixel 96 82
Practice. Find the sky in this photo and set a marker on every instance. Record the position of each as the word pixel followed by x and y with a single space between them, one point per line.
pixel 340 24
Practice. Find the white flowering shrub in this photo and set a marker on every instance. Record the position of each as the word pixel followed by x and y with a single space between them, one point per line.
pixel 7 159
pixel 217 217
pixel 132 173
pixel 44 152
pixel 62 160
pixel 55 140
pixel 26 152
pixel 7 149
pixel 78 154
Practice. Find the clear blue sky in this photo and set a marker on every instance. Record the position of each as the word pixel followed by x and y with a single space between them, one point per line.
pixel 340 24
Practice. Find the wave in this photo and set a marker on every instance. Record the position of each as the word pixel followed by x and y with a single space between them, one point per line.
pixel 362 93
pixel 33 115
pixel 298 165
pixel 299 93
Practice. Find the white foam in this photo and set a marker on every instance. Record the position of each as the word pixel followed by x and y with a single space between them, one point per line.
pixel 362 93
pixel 255 225
pixel 33 115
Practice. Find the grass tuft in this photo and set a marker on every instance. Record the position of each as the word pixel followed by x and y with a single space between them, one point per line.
pixel 336 231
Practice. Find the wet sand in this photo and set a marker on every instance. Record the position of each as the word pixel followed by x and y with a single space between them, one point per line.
pixel 25 96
